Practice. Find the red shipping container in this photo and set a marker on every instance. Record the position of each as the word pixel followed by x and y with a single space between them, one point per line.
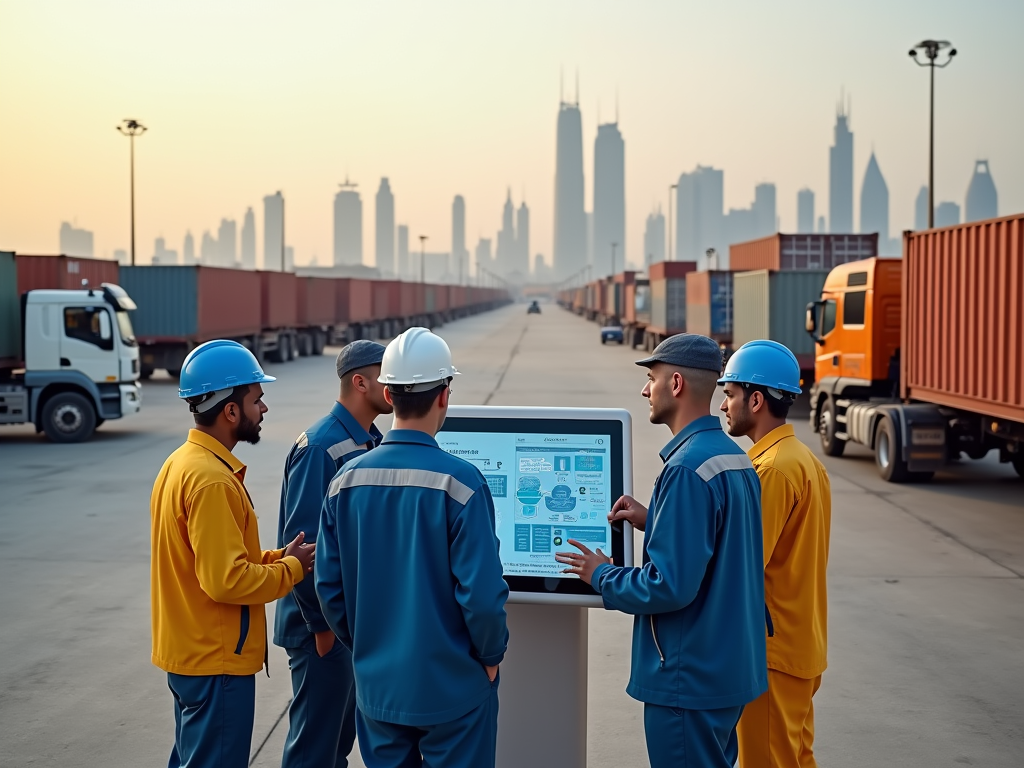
pixel 670 269
pixel 387 299
pixel 63 272
pixel 229 302
pixel 412 302
pixel 808 251
pixel 279 293
pixel 355 300
pixel 963 317
pixel 316 298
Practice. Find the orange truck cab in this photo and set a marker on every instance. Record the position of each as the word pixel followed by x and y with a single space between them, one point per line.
pixel 859 326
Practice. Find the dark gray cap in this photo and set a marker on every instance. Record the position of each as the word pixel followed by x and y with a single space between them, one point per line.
pixel 359 354
pixel 687 350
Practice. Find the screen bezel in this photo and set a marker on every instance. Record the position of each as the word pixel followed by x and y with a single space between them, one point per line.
pixel 613 423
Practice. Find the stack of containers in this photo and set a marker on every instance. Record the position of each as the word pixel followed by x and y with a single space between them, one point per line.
pixel 709 303
pixel 279 300
pixel 316 301
pixel 63 272
pixel 668 297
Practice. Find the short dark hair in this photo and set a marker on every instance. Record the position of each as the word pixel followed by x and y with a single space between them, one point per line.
pixel 210 417
pixel 776 407
pixel 346 380
pixel 415 405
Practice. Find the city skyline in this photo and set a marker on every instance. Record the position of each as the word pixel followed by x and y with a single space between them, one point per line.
pixel 760 118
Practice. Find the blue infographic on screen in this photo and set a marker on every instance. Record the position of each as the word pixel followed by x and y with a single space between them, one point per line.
pixel 547 489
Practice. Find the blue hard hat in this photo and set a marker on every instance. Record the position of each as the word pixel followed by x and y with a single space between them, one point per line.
pixel 764 363
pixel 217 365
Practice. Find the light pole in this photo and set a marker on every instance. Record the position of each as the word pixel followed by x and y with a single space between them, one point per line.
pixel 931 50
pixel 423 258
pixel 669 256
pixel 131 129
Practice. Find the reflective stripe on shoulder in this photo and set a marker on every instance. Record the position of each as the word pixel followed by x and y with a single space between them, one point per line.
pixel 302 440
pixel 718 464
pixel 402 478
pixel 344 448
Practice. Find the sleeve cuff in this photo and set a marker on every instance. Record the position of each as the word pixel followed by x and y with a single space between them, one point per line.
pixel 295 567
pixel 492 660
pixel 315 627
pixel 595 580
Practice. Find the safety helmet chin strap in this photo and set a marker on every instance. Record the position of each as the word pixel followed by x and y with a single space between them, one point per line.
pixel 210 400
pixel 787 397
pixel 424 386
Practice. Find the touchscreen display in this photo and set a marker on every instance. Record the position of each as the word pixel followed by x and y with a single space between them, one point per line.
pixel 547 489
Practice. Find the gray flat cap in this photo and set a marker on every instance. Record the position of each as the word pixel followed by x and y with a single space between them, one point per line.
pixel 359 354
pixel 687 350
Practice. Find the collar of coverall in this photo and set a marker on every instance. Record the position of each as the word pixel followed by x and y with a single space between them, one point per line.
pixel 409 436
pixel 766 442
pixel 217 448
pixel 354 428
pixel 703 424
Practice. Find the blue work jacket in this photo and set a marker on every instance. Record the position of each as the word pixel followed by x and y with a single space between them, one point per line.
pixel 698 599
pixel 409 578
pixel 312 463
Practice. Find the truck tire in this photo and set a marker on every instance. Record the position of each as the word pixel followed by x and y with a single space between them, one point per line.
pixel 1018 464
pixel 69 417
pixel 283 352
pixel 174 373
pixel 306 345
pixel 319 342
pixel 830 444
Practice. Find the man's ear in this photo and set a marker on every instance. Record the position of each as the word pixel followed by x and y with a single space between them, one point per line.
pixel 442 399
pixel 232 412
pixel 756 405
pixel 678 384
pixel 387 397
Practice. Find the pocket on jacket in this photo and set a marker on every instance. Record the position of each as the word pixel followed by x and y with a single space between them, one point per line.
pixel 243 629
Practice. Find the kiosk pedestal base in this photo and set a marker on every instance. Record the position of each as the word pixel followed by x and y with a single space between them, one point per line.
pixel 542 700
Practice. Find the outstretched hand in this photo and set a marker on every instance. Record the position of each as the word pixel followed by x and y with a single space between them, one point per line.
pixel 582 563
pixel 304 553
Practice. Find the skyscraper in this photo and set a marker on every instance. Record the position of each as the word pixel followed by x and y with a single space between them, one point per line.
pixel 75 242
pixel 522 263
pixel 505 256
pixel 654 238
pixel 249 240
pixel 227 243
pixel 460 256
pixel 764 210
pixel 874 206
pixel 273 232
pixel 348 226
pixel 840 181
pixel 403 251
pixel 805 211
pixel 822 226
pixel 982 200
pixel 385 229
pixel 483 255
pixel 188 250
pixel 162 254
pixel 947 215
pixel 570 246
pixel 921 209
pixel 609 200
pixel 209 253
pixel 699 202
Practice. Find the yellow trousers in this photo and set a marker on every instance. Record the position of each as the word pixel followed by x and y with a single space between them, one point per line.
pixel 776 730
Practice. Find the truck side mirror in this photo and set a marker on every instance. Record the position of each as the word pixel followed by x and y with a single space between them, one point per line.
pixel 810 319
pixel 104 325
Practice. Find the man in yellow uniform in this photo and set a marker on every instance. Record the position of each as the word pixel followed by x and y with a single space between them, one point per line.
pixel 209 577
pixel 761 381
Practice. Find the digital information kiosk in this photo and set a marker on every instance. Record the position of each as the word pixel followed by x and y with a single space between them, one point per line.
pixel 554 474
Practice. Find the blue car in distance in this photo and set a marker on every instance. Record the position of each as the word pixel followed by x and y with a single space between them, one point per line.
pixel 611 333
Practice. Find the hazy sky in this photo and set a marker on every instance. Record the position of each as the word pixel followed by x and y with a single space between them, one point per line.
pixel 447 98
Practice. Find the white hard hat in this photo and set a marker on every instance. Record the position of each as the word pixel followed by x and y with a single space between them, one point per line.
pixel 416 360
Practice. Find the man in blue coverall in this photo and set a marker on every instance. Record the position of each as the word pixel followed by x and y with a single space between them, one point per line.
pixel 698 600
pixel 321 716
pixel 410 580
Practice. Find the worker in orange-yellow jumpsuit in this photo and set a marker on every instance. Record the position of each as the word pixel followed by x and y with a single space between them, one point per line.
pixel 761 381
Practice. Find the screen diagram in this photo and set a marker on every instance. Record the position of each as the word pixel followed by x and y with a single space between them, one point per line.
pixel 547 489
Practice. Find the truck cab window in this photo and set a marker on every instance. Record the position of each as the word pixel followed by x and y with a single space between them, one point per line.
pixel 84 324
pixel 853 307
pixel 828 317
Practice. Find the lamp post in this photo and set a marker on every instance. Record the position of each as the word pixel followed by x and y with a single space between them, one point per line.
pixel 131 129
pixel 423 258
pixel 931 50
pixel 670 256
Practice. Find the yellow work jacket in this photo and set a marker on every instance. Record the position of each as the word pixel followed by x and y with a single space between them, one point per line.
pixel 210 579
pixel 796 510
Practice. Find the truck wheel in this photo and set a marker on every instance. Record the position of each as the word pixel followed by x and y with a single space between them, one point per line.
pixel 69 417
pixel 283 352
pixel 145 374
pixel 319 343
pixel 888 455
pixel 1018 464
pixel 174 373
pixel 830 444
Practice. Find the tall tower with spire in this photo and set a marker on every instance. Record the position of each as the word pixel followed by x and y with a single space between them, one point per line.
pixel 570 245
pixel 609 200
pixel 874 206
pixel 840 178
pixel 982 200
pixel 348 225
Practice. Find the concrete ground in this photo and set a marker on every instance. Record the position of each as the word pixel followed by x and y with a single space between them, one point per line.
pixel 926 582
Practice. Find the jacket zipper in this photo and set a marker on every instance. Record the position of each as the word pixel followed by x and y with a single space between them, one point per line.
pixel 654 634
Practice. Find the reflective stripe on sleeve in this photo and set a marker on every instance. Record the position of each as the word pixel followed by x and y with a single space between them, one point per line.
pixel 718 464
pixel 344 448
pixel 402 478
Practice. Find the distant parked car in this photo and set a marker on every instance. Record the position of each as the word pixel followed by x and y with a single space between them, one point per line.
pixel 533 309
pixel 611 333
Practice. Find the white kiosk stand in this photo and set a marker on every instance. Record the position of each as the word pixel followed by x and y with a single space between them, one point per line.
pixel 554 474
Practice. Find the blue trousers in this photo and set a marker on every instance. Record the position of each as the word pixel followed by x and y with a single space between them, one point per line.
pixel 322 715
pixel 213 717
pixel 468 742
pixel 691 738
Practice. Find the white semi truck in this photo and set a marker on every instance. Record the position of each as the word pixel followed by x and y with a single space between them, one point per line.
pixel 68 358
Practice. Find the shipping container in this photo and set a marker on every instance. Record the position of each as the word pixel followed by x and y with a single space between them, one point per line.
pixel 316 301
pixel 192 303
pixel 387 299
pixel 772 305
pixel 709 305
pixel 10 310
pixel 810 251
pixel 279 300
pixel 637 302
pixel 668 296
pixel 963 317
pixel 412 300
pixel 63 272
